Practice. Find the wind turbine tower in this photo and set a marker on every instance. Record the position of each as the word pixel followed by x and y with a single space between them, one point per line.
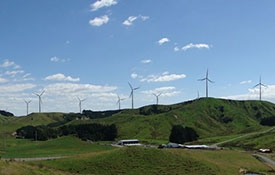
pixel 80 104
pixel 260 84
pixel 27 104
pixel 157 97
pixel 39 99
pixel 206 79
pixel 119 100
pixel 132 93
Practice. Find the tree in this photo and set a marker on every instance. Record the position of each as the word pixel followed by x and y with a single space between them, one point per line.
pixel 179 134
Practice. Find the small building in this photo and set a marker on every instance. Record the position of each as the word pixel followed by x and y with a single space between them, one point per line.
pixel 265 150
pixel 130 142
pixel 196 147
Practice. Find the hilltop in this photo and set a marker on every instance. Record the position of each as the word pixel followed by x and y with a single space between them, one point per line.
pixel 209 117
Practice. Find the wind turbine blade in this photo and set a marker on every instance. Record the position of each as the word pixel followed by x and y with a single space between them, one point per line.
pixel 42 92
pixel 130 86
pixel 211 81
pixel 136 88
pixel 203 79
pixel 131 94
pixel 257 85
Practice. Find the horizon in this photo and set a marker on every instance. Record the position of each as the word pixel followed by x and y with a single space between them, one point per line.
pixel 92 49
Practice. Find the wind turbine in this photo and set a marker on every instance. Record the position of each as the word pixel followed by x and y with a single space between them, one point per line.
pixel 206 79
pixel 119 100
pixel 80 104
pixel 260 84
pixel 132 93
pixel 27 103
pixel 157 97
pixel 40 100
pixel 198 94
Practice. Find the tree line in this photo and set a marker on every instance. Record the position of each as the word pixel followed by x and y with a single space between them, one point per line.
pixel 93 132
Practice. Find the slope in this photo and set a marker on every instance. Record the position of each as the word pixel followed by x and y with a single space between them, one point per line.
pixel 208 116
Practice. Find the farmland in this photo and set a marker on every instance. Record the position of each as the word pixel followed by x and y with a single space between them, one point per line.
pixel 233 125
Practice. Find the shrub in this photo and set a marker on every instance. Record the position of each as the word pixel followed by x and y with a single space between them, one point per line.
pixel 181 135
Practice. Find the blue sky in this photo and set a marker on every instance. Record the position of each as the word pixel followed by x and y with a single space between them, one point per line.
pixel 91 49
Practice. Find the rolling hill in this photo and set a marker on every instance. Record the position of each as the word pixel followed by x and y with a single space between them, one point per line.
pixel 210 117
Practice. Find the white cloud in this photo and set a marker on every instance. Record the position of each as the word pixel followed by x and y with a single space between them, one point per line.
pixel 27 77
pixel 102 3
pixel 130 20
pixel 69 89
pixel 197 46
pixel 144 18
pixel 246 82
pixel 61 77
pixel 7 63
pixel 3 80
pixel 98 21
pixel 14 72
pixel 146 61
pixel 176 49
pixel 167 91
pixel 16 87
pixel 134 75
pixel 163 40
pixel 56 59
pixel 268 93
pixel 163 78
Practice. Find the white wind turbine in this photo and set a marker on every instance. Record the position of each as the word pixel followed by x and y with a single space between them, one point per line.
pixel 119 100
pixel 132 93
pixel 39 99
pixel 206 79
pixel 27 104
pixel 157 97
pixel 260 84
pixel 80 104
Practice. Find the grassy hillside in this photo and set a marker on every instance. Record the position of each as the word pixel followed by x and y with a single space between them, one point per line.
pixel 208 116
pixel 253 141
pixel 137 160
pixel 11 124
pixel 17 168
pixel 62 146
pixel 215 120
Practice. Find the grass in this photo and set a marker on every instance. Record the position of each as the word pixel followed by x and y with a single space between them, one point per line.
pixel 215 120
pixel 208 116
pixel 14 168
pixel 63 146
pixel 137 160
pixel 254 141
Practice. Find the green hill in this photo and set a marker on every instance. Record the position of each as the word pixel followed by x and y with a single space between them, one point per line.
pixel 11 124
pixel 209 117
pixel 138 160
